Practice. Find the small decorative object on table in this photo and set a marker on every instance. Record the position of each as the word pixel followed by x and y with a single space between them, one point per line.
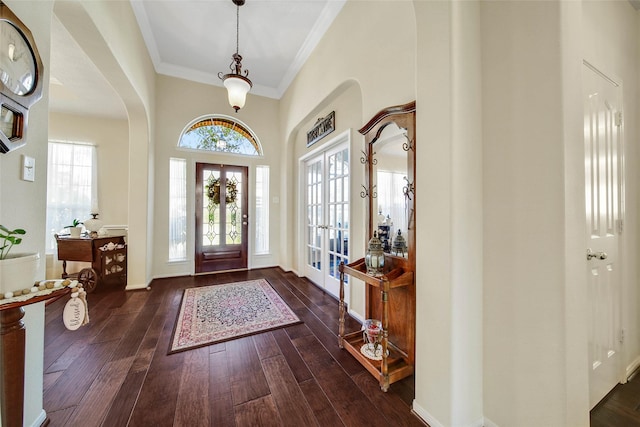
pixel 374 259
pixel 93 225
pixel 75 228
pixel 372 337
pixel 400 244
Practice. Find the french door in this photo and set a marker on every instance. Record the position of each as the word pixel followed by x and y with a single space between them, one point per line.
pixel 221 217
pixel 327 216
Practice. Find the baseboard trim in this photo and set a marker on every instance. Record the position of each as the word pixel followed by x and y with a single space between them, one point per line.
pixel 429 419
pixel 425 416
pixel 40 420
pixel 489 423
pixel 136 287
pixel 632 368
pixel 356 316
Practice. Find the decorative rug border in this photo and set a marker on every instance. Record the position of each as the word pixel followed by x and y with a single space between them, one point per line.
pixel 205 344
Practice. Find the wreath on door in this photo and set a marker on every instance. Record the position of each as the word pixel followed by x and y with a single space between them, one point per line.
pixel 213 191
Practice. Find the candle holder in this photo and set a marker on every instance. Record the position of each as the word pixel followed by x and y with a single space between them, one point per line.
pixel 372 337
pixel 374 259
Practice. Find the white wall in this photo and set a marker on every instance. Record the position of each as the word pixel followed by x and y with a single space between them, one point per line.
pixel 524 214
pixel 196 100
pixel 22 203
pixel 449 209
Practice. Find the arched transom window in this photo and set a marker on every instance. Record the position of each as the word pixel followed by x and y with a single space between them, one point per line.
pixel 220 134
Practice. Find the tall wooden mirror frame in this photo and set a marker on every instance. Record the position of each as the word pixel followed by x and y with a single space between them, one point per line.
pixel 403 116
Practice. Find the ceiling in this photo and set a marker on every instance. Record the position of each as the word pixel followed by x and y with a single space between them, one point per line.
pixel 194 40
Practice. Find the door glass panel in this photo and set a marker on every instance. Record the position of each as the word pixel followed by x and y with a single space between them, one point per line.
pixel 314 212
pixel 327 182
pixel 233 204
pixel 338 204
pixel 211 213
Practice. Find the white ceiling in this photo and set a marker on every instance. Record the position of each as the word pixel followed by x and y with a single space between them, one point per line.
pixel 194 40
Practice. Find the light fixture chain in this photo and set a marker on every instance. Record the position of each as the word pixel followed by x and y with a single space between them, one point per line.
pixel 237 28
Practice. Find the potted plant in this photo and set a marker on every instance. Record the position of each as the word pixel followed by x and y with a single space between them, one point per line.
pixel 75 228
pixel 18 271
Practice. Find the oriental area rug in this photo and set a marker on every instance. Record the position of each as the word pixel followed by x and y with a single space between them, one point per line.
pixel 219 313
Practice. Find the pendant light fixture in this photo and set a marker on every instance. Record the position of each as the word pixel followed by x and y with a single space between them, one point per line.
pixel 237 82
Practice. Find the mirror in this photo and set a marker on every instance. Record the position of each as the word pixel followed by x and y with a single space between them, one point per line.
pixel 390 166
pixel 390 157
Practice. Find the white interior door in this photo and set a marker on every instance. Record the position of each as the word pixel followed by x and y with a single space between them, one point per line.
pixel 327 216
pixel 603 196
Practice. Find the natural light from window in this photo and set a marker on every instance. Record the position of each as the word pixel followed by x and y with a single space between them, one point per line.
pixel 262 210
pixel 220 134
pixel 177 209
pixel 71 186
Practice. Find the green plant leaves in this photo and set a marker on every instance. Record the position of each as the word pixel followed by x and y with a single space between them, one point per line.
pixel 9 238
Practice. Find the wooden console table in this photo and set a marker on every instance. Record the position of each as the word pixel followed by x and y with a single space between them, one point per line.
pixel 105 264
pixel 393 290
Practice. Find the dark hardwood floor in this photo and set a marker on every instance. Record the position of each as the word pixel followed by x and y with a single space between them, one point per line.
pixel 116 371
pixel 620 408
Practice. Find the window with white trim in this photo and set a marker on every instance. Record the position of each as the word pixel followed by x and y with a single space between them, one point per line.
pixel 262 210
pixel 72 186
pixel 177 209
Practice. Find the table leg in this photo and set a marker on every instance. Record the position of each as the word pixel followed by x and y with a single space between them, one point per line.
pixel 12 354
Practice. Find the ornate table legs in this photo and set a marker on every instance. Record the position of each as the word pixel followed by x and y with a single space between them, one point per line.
pixel 12 354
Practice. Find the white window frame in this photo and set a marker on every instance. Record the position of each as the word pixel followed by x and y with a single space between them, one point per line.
pixel 177 233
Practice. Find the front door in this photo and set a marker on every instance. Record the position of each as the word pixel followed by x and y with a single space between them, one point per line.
pixel 603 196
pixel 221 217
pixel 327 216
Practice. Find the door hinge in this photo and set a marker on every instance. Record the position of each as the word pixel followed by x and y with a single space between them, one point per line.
pixel 621 336
pixel 620 225
pixel 618 118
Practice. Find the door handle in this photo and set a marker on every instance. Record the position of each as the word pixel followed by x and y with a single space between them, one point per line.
pixel 599 255
pixel 244 222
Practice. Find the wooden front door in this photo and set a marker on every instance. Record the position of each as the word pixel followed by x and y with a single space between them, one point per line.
pixel 604 202
pixel 221 217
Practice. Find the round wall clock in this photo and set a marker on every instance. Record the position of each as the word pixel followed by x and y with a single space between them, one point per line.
pixel 21 74
pixel 17 60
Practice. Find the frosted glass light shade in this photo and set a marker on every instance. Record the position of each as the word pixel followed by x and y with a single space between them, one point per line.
pixel 237 87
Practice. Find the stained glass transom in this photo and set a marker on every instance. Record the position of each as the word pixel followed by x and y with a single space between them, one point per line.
pixel 220 134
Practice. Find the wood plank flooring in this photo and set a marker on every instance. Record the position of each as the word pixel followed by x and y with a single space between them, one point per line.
pixel 620 408
pixel 116 371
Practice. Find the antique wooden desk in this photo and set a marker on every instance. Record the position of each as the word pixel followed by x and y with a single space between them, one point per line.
pixel 107 255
